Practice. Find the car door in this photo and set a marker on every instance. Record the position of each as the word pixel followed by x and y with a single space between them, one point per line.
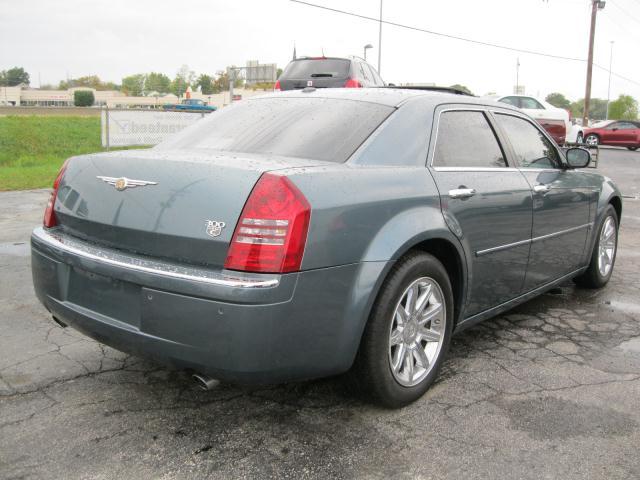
pixel 625 133
pixel 486 203
pixel 561 202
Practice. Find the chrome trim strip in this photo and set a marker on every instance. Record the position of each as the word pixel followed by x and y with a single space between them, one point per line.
pixel 67 244
pixel 561 232
pixel 475 169
pixel 499 248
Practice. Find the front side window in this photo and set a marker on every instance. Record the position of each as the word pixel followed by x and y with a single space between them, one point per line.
pixel 465 139
pixel 531 147
pixel 625 126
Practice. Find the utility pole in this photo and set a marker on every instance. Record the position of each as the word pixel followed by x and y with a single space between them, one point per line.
pixel 595 6
pixel 380 39
pixel 609 87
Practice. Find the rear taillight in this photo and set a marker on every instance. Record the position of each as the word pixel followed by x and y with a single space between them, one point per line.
pixel 352 83
pixel 49 215
pixel 277 85
pixel 272 231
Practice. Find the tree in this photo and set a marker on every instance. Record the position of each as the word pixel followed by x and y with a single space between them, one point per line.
pixel 205 82
pixel 457 86
pixel 624 108
pixel 597 109
pixel 558 100
pixel 157 82
pixel 133 85
pixel 83 98
pixel 14 76
pixel 89 81
pixel 184 78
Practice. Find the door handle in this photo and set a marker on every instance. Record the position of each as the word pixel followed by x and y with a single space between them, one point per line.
pixel 541 188
pixel 462 192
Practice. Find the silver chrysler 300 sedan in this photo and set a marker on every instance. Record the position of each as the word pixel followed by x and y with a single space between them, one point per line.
pixel 310 233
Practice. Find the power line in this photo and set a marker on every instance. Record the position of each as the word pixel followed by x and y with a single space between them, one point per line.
pixel 454 37
pixel 440 34
pixel 632 17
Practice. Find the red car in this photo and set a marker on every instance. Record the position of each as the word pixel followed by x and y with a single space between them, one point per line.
pixel 617 133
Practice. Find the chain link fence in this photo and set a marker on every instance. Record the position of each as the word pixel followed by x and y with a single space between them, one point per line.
pixel 143 127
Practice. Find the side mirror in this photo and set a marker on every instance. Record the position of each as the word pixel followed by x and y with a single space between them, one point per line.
pixel 578 157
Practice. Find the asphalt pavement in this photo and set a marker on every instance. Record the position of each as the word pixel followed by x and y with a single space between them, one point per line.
pixel 550 389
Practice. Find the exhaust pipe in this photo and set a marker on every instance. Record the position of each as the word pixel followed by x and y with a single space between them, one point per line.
pixel 59 322
pixel 204 382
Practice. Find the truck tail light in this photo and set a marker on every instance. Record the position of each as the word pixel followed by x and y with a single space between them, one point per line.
pixel 50 219
pixel 272 230
pixel 276 87
pixel 352 83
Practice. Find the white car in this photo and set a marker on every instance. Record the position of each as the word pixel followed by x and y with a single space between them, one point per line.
pixel 553 119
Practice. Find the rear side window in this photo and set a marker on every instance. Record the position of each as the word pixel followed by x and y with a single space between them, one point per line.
pixel 510 101
pixel 531 147
pixel 320 68
pixel 465 139
pixel 530 103
pixel 315 128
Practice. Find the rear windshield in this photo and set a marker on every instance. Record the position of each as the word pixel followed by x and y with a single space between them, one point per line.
pixel 315 128
pixel 326 67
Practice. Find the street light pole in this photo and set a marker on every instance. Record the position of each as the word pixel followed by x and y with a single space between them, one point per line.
pixel 380 38
pixel 609 87
pixel 595 6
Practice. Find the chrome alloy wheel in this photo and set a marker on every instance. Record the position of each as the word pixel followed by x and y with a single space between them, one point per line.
pixel 607 246
pixel 592 140
pixel 417 331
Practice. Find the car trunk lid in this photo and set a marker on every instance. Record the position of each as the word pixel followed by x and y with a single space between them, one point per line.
pixel 181 205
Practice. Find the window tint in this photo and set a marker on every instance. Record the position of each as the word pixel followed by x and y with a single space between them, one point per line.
pixel 316 128
pixel 510 101
pixel 531 103
pixel 531 147
pixel 313 68
pixel 625 126
pixel 465 139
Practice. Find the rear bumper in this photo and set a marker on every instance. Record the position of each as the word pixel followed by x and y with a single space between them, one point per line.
pixel 244 328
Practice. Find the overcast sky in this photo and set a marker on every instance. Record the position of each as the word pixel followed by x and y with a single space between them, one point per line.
pixel 115 38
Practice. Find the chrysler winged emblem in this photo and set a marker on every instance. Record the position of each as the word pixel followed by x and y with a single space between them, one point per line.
pixel 122 183
pixel 214 228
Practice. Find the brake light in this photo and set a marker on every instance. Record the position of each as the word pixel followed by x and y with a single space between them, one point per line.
pixel 272 230
pixel 277 85
pixel 352 83
pixel 50 219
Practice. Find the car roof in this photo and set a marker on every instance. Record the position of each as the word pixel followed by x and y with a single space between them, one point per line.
pixel 392 97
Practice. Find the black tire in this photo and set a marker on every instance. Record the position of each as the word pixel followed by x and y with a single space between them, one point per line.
pixel 592 277
pixel 593 136
pixel 371 373
pixel 633 149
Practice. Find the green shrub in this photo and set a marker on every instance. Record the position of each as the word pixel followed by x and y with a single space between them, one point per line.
pixel 83 98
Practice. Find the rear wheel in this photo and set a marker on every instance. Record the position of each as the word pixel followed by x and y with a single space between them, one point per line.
pixel 603 256
pixel 408 333
pixel 633 149
pixel 592 139
pixel 579 138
